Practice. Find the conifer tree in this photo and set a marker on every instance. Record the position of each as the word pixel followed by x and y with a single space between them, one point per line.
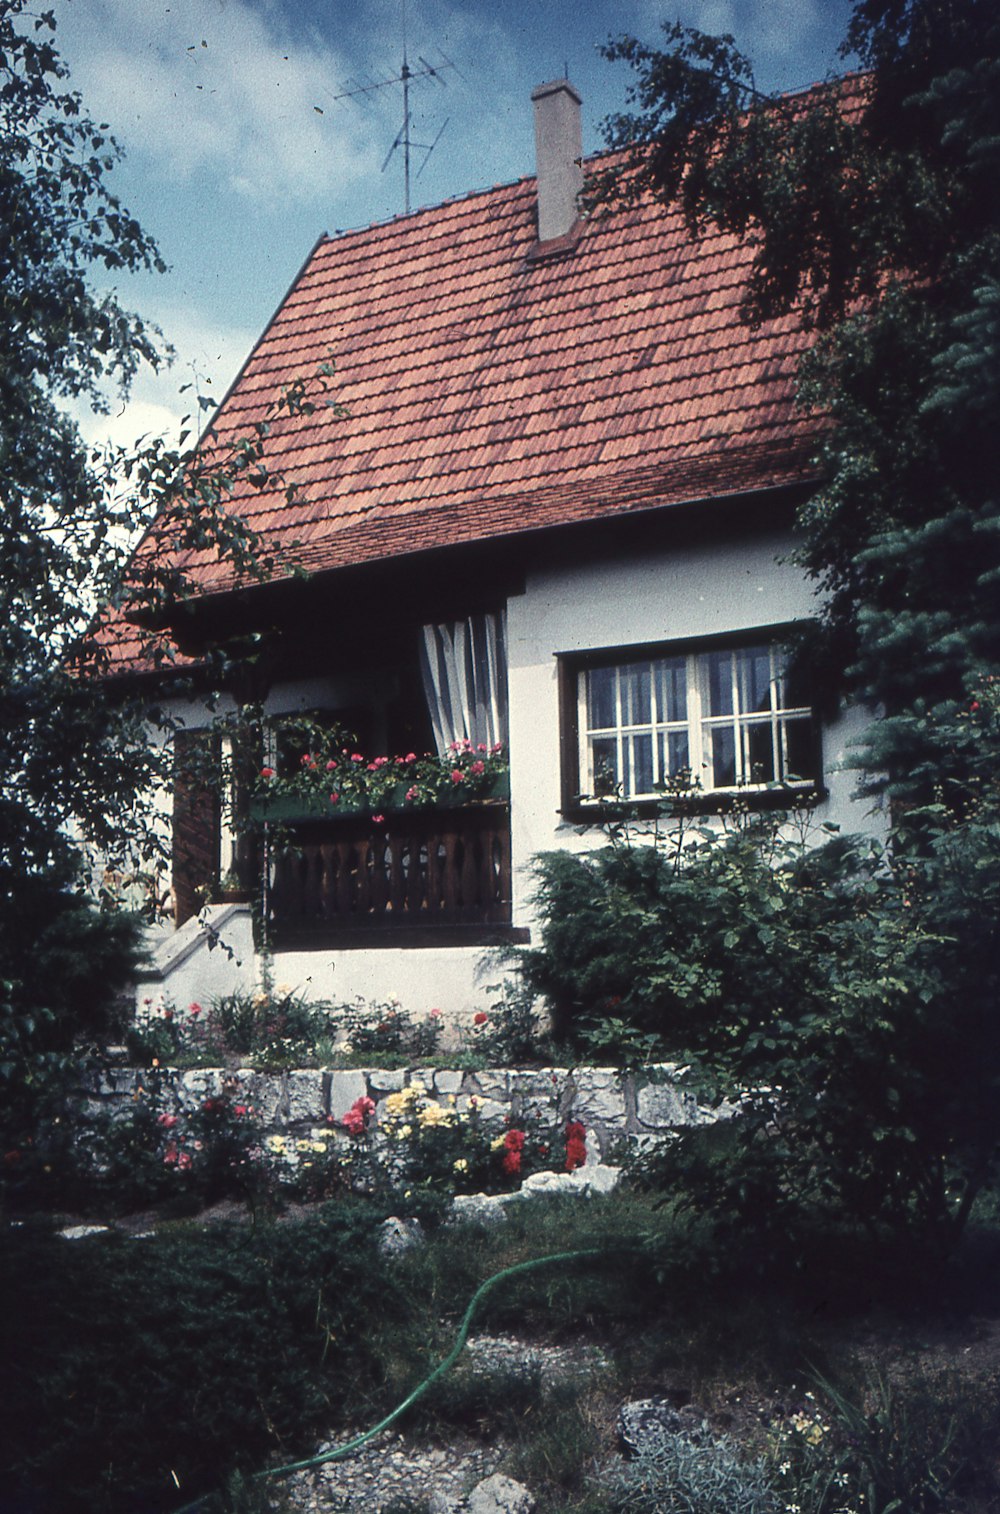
pixel 873 207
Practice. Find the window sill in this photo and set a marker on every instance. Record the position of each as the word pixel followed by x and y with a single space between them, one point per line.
pixel 598 812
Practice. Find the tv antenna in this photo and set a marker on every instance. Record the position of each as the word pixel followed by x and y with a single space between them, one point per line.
pixel 404 139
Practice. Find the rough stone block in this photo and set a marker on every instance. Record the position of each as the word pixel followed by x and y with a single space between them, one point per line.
pixel 305 1096
pixel 489 1109
pixel 345 1088
pixel 492 1083
pixel 265 1093
pixel 199 1084
pixel 448 1081
pixel 599 1096
pixel 480 1208
pixel 385 1080
pixel 660 1105
pixel 500 1495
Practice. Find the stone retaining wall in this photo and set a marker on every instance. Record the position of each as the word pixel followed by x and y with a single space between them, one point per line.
pixel 614 1106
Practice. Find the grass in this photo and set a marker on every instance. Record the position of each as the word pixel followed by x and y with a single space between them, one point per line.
pixel 201 1353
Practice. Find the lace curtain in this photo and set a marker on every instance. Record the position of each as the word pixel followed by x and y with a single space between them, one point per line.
pixel 464 669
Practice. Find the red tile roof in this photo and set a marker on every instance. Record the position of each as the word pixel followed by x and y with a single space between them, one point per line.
pixel 492 393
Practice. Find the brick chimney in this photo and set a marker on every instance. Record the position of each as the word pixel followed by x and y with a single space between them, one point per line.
pixel 558 154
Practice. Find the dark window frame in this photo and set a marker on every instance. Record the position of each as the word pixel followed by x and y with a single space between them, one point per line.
pixel 587 809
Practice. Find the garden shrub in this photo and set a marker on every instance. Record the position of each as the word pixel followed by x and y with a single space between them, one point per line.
pixel 843 996
pixel 62 963
pixel 137 1373
pixel 706 1475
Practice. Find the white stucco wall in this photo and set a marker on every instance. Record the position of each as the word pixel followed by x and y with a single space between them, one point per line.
pixel 688 591
pixel 707 589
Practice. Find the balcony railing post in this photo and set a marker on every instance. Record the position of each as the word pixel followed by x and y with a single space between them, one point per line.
pixel 423 872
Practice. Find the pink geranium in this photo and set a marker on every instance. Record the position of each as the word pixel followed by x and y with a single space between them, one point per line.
pixel 356 1120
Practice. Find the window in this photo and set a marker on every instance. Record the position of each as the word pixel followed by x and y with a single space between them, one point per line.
pixel 730 715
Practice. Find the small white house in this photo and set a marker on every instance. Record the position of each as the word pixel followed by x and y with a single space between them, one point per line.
pixel 556 516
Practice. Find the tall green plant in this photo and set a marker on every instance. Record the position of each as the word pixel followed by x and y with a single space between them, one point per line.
pixel 870 209
pixel 841 999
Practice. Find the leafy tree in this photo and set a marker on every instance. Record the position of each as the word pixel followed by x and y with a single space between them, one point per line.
pixel 76 761
pixel 849 1000
pixel 872 208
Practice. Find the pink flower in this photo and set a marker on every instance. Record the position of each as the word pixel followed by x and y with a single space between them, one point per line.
pixel 378 820
pixel 168 1121
pixel 194 1010
pixel 331 765
pixel 380 762
pixel 356 757
pixel 457 776
pixel 334 798
pixel 239 1109
pixel 477 769
pixel 410 757
pixel 413 792
pixel 355 1121
pixel 170 1155
pixel 482 747
pixel 267 772
pixel 184 1160
pixel 434 1014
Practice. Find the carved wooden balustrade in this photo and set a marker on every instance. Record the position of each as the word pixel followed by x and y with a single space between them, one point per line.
pixel 436 877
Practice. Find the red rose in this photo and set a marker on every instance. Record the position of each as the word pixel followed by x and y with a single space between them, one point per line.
pixel 480 1017
pixel 267 772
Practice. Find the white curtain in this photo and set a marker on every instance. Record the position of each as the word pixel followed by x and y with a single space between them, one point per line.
pixel 464 669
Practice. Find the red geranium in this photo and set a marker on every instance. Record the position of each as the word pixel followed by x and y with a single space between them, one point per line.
pixel 513 1149
pixel 576 1146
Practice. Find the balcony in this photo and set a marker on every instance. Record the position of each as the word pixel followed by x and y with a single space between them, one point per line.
pixel 438 877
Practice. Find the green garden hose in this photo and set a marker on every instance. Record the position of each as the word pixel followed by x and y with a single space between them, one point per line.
pixel 442 1367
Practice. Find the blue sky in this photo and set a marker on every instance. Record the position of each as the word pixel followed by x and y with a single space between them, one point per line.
pixel 239 153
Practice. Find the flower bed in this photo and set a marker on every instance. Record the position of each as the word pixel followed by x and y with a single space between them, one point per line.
pixel 333 780
pixel 314 1132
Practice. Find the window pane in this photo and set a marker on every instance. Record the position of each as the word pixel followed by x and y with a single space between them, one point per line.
pixel 754 676
pixel 639 733
pixel 641 765
pixel 636 691
pixel 604 758
pixel 601 714
pixel 673 753
pixel 723 757
pixel 719 676
pixel 758 753
pixel 800 759
pixel 671 688
pixel 794 689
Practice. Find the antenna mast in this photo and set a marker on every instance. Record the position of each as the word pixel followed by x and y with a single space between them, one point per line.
pixel 403 137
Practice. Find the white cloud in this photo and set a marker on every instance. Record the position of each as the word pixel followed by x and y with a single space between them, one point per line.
pixel 768 30
pixel 208 357
pixel 217 89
